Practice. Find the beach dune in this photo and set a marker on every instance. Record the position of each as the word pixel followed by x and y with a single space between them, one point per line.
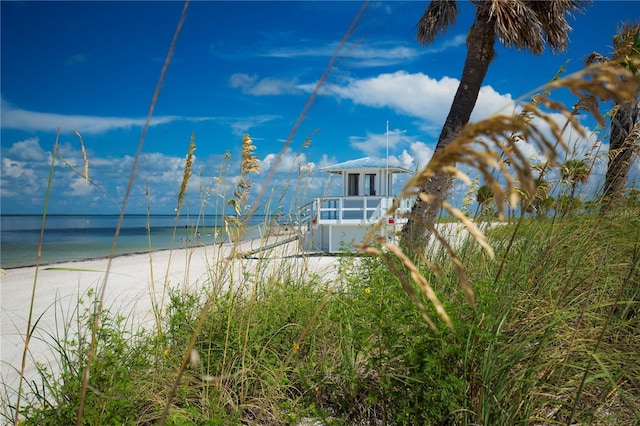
pixel 133 284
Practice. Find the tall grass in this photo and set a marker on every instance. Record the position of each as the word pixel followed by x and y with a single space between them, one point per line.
pixel 552 341
pixel 575 285
pixel 529 322
pixel 29 330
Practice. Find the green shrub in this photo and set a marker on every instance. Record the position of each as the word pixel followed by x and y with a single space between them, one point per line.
pixel 386 364
pixel 117 376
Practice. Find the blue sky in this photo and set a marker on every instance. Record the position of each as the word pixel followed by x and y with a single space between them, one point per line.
pixel 239 67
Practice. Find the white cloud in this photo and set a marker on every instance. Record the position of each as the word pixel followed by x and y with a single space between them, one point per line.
pixel 578 146
pixel 19 178
pixel 79 188
pixel 27 150
pixel 358 54
pixel 239 126
pixel 389 50
pixel 289 162
pixel 421 154
pixel 362 53
pixel 17 118
pixel 415 95
pixel 12 169
pixel 325 161
pixel 406 160
pixel 405 93
pixel 530 152
pixel 455 41
pixel 24 182
pixel 491 102
pixel 375 144
pixel 253 85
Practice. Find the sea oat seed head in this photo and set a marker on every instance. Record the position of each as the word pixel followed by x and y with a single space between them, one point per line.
pixel 249 161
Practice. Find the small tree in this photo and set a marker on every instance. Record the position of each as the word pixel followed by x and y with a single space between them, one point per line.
pixel 541 201
pixel 484 196
pixel 574 172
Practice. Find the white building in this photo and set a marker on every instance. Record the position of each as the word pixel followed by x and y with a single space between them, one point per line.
pixel 334 223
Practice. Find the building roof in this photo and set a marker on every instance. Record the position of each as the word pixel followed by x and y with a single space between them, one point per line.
pixel 366 163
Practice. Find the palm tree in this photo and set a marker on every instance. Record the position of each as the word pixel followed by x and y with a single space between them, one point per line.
pixel 573 172
pixel 624 133
pixel 539 202
pixel 545 206
pixel 523 24
pixel 484 196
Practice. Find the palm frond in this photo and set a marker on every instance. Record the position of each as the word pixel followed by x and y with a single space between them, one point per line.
pixel 527 25
pixel 575 170
pixel 626 46
pixel 438 16
pixel 553 19
pixel 517 25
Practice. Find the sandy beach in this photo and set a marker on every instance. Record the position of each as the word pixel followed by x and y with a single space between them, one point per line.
pixel 132 283
pixel 135 284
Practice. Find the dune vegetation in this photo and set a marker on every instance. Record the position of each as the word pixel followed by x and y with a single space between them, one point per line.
pixel 524 310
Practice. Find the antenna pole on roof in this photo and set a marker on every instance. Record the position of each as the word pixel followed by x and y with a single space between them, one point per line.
pixel 388 192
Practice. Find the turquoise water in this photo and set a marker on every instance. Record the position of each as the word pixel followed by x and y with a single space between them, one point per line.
pixel 79 237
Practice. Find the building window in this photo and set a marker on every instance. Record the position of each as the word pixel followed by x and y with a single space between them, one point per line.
pixel 353 184
pixel 369 184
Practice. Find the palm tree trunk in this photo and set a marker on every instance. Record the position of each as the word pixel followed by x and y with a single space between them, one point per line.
pixel 621 146
pixel 480 52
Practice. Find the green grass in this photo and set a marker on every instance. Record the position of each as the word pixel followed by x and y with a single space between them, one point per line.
pixel 554 340
pixel 568 321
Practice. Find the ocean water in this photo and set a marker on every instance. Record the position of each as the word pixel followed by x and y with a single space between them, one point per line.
pixel 79 237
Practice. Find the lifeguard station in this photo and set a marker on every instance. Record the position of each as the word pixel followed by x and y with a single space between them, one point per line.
pixel 333 223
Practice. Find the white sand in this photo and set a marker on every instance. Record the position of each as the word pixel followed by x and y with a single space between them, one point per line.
pixel 129 291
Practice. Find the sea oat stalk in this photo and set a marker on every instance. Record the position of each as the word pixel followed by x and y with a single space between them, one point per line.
pixel 29 330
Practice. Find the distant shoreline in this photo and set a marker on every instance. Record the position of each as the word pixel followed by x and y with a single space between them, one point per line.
pixel 127 215
pixel 72 237
pixel 133 253
pixel 214 245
